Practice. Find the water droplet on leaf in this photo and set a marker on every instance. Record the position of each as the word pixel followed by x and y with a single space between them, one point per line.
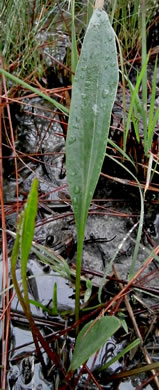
pixel 76 189
pixel 87 83
pixel 105 93
pixel 72 173
pixel 95 109
pixel 72 140
pixel 74 199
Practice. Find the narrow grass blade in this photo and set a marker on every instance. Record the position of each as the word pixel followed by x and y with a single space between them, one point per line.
pixel 93 95
pixel 14 257
pixel 144 78
pixel 148 176
pixel 138 103
pixel 113 11
pixel 74 53
pixel 35 90
pixel 88 291
pixel 47 256
pixel 133 99
pixel 57 263
pixel 15 251
pixel 123 81
pixel 54 301
pixel 90 4
pixel 119 355
pixel 152 122
pixel 91 338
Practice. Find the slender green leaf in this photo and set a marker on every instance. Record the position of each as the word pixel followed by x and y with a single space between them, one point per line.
pixel 35 90
pixel 54 301
pixel 144 78
pixel 93 95
pixel 113 11
pixel 57 263
pixel 91 338
pixel 134 100
pixel 88 291
pixel 14 257
pixel 51 311
pixel 151 124
pixel 27 233
pixel 15 251
pixel 155 119
pixel 40 306
pixel 120 354
pixel 29 222
pixel 90 4
pixel 135 121
pixel 137 101
pixel 124 325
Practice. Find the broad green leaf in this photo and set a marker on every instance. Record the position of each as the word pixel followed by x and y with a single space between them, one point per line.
pixel 93 94
pixel 91 338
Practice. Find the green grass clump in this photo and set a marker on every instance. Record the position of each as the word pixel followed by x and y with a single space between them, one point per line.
pixel 20 24
pixel 125 15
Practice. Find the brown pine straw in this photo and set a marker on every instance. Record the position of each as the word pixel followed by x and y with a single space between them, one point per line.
pixel 130 283
pixel 137 330
pixel 5 297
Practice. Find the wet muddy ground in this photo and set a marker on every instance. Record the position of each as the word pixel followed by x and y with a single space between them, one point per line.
pixel 110 235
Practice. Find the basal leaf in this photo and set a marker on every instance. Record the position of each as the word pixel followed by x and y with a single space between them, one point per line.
pixel 93 94
pixel 91 339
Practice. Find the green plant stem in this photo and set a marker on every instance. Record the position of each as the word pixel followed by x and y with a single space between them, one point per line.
pixel 144 78
pixel 78 274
